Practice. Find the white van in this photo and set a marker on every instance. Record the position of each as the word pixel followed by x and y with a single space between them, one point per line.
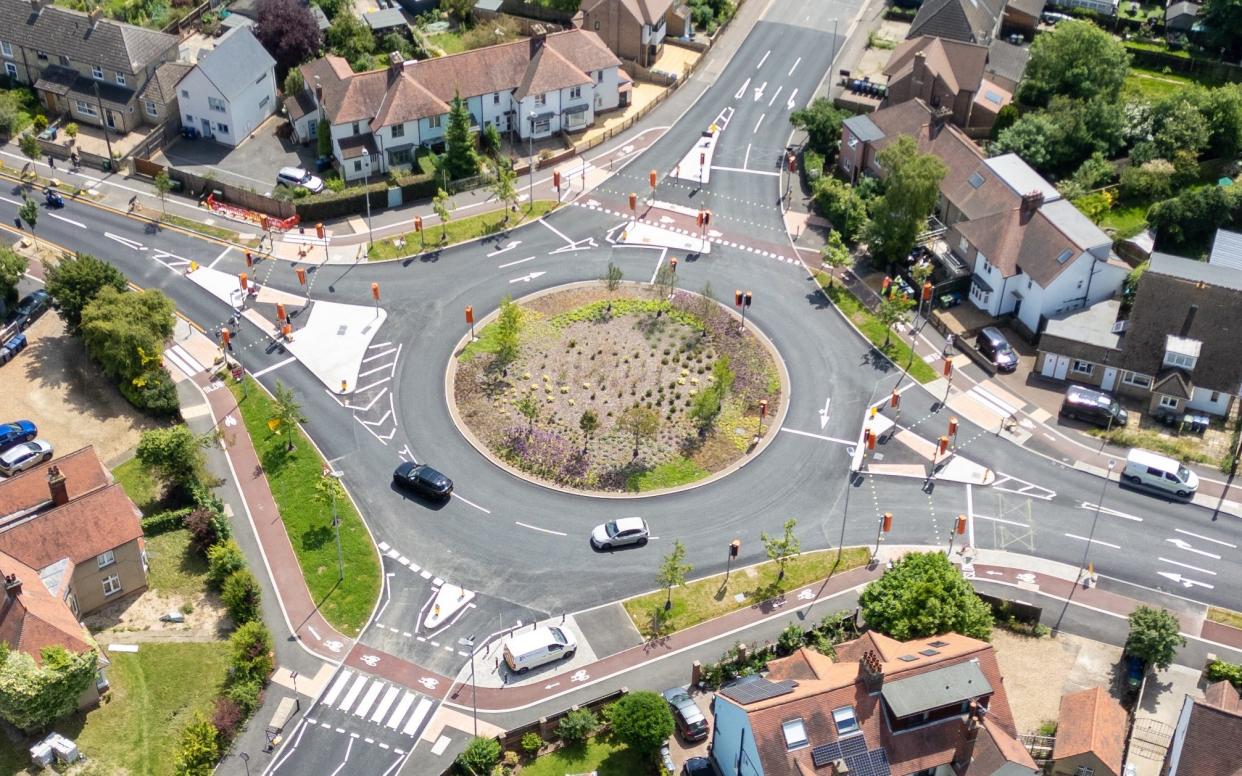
pixel 537 647
pixel 1159 472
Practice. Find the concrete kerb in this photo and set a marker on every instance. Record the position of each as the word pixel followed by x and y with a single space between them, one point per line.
pixel 445 246
pixel 450 375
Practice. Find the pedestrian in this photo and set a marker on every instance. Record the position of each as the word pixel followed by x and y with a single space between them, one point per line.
pixel 18 223
pixel 51 161
pixel 75 159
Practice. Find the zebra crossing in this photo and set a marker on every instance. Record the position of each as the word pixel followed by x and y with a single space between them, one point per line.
pixel 366 699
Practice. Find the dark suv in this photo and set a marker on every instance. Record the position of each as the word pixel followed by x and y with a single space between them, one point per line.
pixel 32 306
pixel 1095 407
pixel 423 480
pixel 993 346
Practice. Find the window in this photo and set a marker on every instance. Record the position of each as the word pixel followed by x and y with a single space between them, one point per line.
pixel 112 585
pixel 10 69
pixel 434 122
pixel 216 104
pixel 1065 256
pixel 263 102
pixel 1083 367
pixel 259 80
pixel 86 109
pixel 185 94
pixel 120 79
pixel 400 157
pixel 1136 379
pixel 97 72
pixel 107 559
pixel 597 24
pixel 189 119
pixel 222 128
pixel 357 166
pixel 1169 402
pixel 542 126
pixel 398 130
pixel 1084 770
pixel 845 719
pixel 599 77
pixel 575 93
pixel 1180 360
pixel 64 60
pixel 6 49
pixel 41 56
pixel 975 181
pixel 152 111
pixel 963 246
pixel 1215 397
pixel 541 100
pixel 795 733
pixel 355 128
pixel 496 98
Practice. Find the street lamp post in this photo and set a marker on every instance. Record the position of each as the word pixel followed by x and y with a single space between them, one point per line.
pixel 1112 464
pixel 366 158
pixel 474 703
pixel 530 152
pixel 886 525
pixel 336 474
pixel 245 758
pixel 103 123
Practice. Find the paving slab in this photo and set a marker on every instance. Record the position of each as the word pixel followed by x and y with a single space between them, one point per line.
pixel 333 340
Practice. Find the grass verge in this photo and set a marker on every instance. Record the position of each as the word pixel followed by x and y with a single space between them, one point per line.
pixel 1225 617
pixel 670 474
pixel 292 476
pixel 1181 448
pixel 448 42
pixel 190 225
pixel 458 230
pixel 141 488
pixel 873 330
pixel 176 569
pixel 710 597
pixel 600 755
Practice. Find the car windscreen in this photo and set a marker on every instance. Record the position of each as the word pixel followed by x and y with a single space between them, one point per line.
pixel 1183 473
pixel 306 178
pixel 610 528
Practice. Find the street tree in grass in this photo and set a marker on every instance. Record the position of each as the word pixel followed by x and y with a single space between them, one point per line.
pixel 163 185
pixel 504 188
pixel 12 269
pixel 29 213
pixel 74 282
pixel 461 159
pixel 287 410
pixel 784 548
pixel 835 254
pixel 911 189
pixel 441 203
pixel 642 720
pixel 673 571
pixel 923 594
pixel 891 312
pixel 29 145
pixel 589 422
pixel 642 422
pixel 1154 636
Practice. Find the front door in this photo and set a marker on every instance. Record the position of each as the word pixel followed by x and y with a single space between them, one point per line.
pixel 109 119
pixel 1062 367
pixel 206 128
pixel 1110 379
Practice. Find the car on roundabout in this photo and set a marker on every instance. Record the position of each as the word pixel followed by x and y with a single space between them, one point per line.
pixel 422 480
pixel 622 532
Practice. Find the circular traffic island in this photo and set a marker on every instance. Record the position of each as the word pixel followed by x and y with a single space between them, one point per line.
pixel 628 390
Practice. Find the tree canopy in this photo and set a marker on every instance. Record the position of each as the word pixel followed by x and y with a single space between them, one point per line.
pixel 33 696
pixel 125 331
pixel 911 188
pixel 642 720
pixel 1221 20
pixel 461 159
pixel 1154 636
pixel 1076 59
pixel 351 38
pixel 840 204
pixel 74 282
pixel 288 31
pixel 821 120
pixel 923 594
pixel 12 268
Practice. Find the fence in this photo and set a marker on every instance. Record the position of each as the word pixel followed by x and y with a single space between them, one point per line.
pixel 191 18
pixel 546 726
pixel 155 142
pixel 85 159
pixel 198 187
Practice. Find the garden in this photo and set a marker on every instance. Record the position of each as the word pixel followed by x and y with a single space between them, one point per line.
pixel 617 387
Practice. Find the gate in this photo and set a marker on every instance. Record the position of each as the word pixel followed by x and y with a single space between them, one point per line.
pixel 1150 738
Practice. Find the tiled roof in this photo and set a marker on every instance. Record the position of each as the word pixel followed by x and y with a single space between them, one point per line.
pixel 645 11
pixel 163 87
pixel 234 63
pixel 1224 696
pixel 1091 721
pixel 959 65
pixel 58 31
pixel 1006 60
pixel 1212 743
pixel 944 140
pixel 1028 7
pixel 547 72
pixel 32 618
pixel 972 21
pixel 81 469
pixel 81 530
pixel 408 100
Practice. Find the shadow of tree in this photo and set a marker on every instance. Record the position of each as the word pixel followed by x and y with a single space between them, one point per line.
pixel 317 537
pixel 276 455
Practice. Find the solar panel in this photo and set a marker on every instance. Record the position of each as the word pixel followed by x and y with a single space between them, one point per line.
pixel 858 759
pixel 907 658
pixel 928 652
pixel 853 746
pixel 757 690
pixel 822 755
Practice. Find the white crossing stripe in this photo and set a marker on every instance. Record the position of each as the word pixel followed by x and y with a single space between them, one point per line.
pixel 352 695
pixel 337 687
pixel 416 719
pixel 372 693
pixel 384 704
pixel 993 402
pixel 399 714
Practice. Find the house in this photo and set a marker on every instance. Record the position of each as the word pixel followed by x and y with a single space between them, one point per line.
pixel 1102 7
pixel 76 529
pixel 1006 64
pixel 1021 17
pixel 1181 17
pixel 1091 735
pixel 231 91
pixel 159 96
pixel 1029 254
pixel 1178 350
pixel 933 705
pixel 1208 735
pixel 948 73
pixel 635 30
pixel 387 20
pixel 968 21
pixel 81 64
pixel 530 88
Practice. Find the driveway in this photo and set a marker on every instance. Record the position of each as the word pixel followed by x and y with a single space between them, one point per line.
pixel 251 165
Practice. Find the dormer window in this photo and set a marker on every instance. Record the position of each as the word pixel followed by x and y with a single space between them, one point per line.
pixel 845 720
pixel 1181 352
pixel 795 733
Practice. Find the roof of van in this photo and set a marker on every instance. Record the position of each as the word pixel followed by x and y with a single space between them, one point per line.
pixel 1148 458
pixel 533 639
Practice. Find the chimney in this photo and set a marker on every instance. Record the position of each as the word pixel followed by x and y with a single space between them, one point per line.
pixel 1031 201
pixel 538 35
pixel 872 671
pixel 919 74
pixel 12 584
pixel 57 485
pixel 95 15
pixel 37 6
pixel 395 61
pixel 939 115
pixel 1190 319
pixel 966 749
pixel 839 768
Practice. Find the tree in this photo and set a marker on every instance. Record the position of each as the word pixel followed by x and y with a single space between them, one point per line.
pixel 29 145
pixel 1221 20
pixel 665 280
pixel 841 205
pixel 911 189
pixel 323 138
pixel 642 720
pixel 294 83
pixel 1154 636
pixel 835 254
pixel 242 596
pixel 74 282
pixel 29 213
pixel 508 332
pixel 528 406
pixel 250 648
pixel 461 160
pixel 1035 137
pixel 640 421
pixel 198 748
pixel 33 696
pixel 1191 217
pixel 784 548
pixel 441 203
pixel 479 757
pixel 287 29
pixel 1086 127
pixel 923 594
pixel 351 38
pixel 223 558
pixel 1093 173
pixel 1147 181
pixel 1005 118
pixel 893 311
pixel 1177 125
pixel 1077 59
pixel 125 331
pixel 1222 107
pixel 490 141
pixel 589 422
pixel 12 270
pixel 612 278
pixel 821 120
pixel 398 43
pixel 10 111
pixel 162 186
pixel 673 570
pixel 287 410
pixel 504 188
pixel 577 726
pixel 174 454
pixel 709 401
pixel 331 8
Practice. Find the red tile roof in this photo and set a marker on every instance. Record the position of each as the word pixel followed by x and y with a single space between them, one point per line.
pixel 1091 721
pixel 31 618
pixel 1224 696
pixel 1212 745
pixel 549 71
pixel 960 65
pixel 82 470
pixel 81 530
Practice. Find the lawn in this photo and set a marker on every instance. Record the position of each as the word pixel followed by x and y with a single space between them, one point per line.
pixel 141 488
pixel 449 42
pixel 176 569
pixel 1126 220
pixel 669 474
pixel 873 330
pixel 1154 85
pixel 292 476
pixel 710 597
pixel 459 230
pixel 599 755
pixel 1225 617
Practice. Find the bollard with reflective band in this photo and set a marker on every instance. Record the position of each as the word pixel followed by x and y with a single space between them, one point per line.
pixel 375 291
pixel 280 312
pixel 887 524
pixel 245 283
pixel 301 276
pixel 469 315
pixel 633 201
pixel 319 232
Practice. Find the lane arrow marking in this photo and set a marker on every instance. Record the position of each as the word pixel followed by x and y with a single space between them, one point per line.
pixel 528 277
pixel 823 414
pixel 509 247
pixel 128 243
pixel 1182 544
pixel 1183 581
pixel 759 91
pixel 742 91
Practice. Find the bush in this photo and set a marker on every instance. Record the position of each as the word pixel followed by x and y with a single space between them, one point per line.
pixel 1154 636
pixel 163 522
pixel 155 394
pixel 577 726
pixel 480 756
pixel 842 206
pixel 205 527
pixel 40 122
pixel 642 720
pixel 227 717
pixel 198 748
pixel 173 454
pixel 223 559
pixel 1219 670
pixel 531 743
pixel 251 648
pixel 248 695
pixel 812 165
pixel 242 596
pixel 923 594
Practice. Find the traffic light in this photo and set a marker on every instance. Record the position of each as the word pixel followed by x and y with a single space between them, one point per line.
pixel 895 401
pixel 927 291
pixel 959 527
pixel 887 524
pixel 244 281
pixel 707 218
pixel 375 291
pixel 699 219
pixel 885 285
pixel 673 264
pixel 651 178
pixel 948 368
pixel 735 548
pixel 942 445
pixel 280 312
pixel 793 163
pixel 746 298
pixel 737 298
pixel 225 335
pixel 952 426
pixel 702 158
pixel 249 259
pixel 870 438
pixel 763 408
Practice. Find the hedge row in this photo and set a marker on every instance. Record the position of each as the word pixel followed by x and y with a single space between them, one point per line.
pixel 163 522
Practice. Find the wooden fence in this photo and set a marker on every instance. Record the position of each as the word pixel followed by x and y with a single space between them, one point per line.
pixel 190 19
pixel 198 187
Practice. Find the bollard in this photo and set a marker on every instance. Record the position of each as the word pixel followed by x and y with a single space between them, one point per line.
pixel 342 386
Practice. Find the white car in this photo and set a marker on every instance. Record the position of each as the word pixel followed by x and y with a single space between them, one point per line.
pixel 23 456
pixel 293 177
pixel 621 532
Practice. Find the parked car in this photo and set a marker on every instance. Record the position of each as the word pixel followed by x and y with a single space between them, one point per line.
pixel 539 646
pixel 1135 668
pixel 1094 407
pixel 21 457
pixel 993 346
pixel 296 176
pixel 691 723
pixel 698 766
pixel 17 432
pixel 32 306
pixel 423 480
pixel 1159 472
pixel 621 532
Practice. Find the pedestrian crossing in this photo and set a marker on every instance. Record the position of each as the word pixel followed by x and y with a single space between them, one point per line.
pixel 376 701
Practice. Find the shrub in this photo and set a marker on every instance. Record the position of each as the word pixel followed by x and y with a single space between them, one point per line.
pixel 198 748
pixel 642 720
pixel 480 756
pixel 577 726
pixel 173 454
pixel 531 743
pixel 241 596
pixel 223 559
pixel 40 122
pixel 203 524
pixel 227 717
pixel 71 129
pixel 1219 670
pixel 248 695
pixel 163 522
pixel 812 165
pixel 155 394
pixel 251 648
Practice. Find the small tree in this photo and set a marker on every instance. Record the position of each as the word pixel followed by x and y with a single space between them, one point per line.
pixel 288 31
pixel 241 596
pixel 198 748
pixel 665 280
pixel 673 571
pixel 251 649
pixel 30 214
pixel 1154 636
pixel 29 145
pixel 577 726
pixel 642 720
pixel 612 278
pixel 640 421
pixel 441 203
pixel 74 282
pixel 287 410
pixel 528 405
pixel 923 594
pixel 480 756
pixel 508 332
pixel 911 188
pixel 329 491
pixel 163 185
pixel 504 188
pixel 784 548
pixel 490 142
pixel 589 422
pixel 12 270
pixel 460 158
pixel 223 559
pixel 835 254
pixel 174 454
pixel 891 312
pixel 71 130
pixel 294 82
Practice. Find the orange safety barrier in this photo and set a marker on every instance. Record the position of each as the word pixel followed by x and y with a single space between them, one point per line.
pixel 251 216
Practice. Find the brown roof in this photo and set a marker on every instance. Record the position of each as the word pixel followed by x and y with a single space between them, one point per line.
pixel 1091 721
pixel 81 530
pixel 960 65
pixel 408 100
pixel 31 618
pixel 1212 744
pixel 352 147
pixel 162 88
pixel 945 140
pixel 82 470
pixel 1224 696
pixel 548 71
pixel 646 11
pixel 1016 243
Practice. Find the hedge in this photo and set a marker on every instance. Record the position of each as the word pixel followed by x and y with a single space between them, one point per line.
pixel 1219 670
pixel 163 522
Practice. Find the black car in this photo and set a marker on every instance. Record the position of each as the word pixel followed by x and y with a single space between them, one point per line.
pixel 993 346
pixel 32 306
pixel 1094 407
pixel 698 766
pixel 689 717
pixel 423 480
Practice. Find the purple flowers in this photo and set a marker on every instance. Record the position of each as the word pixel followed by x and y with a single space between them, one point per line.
pixel 547 454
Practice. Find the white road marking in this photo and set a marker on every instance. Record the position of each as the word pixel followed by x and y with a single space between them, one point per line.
pixel 1093 541
pixel 273 367
pixel 348 749
pixel 406 702
pixel 1001 520
pixel 655 272
pixel 764 59
pixel 738 96
pixel 1111 512
pixel 385 704
pixel 992 402
pixel 379 355
pixel 541 530
pixel 352 695
pixel 1187 566
pixel 741 169
pixel 519 261
pixel 471 503
pixel 420 711
pixel 556 231
pixel 367 700
pixel 823 414
pixel 131 244
pixel 1207 538
pixel 759 91
pixel 757 123
pixel 1184 581
pixel 746 161
pixel 795 66
pixel 509 247
pixel 1182 544
pixel 774 95
pixel 59 217
pixel 818 436
pixel 789 104
pixel 527 277
pixel 221 256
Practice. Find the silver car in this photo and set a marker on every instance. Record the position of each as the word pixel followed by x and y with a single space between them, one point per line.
pixel 621 532
pixel 23 456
